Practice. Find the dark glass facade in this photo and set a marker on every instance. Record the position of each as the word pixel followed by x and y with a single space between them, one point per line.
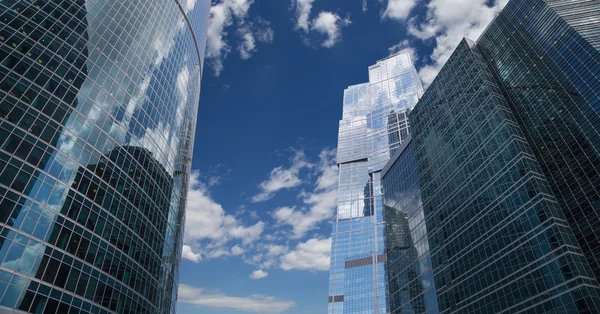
pixel 499 239
pixel 409 271
pixel 549 70
pixel 98 104
pixel 506 145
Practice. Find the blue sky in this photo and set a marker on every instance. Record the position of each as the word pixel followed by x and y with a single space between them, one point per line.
pixel 263 190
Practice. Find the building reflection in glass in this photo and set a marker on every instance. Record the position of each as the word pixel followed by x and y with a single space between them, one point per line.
pixel 373 124
pixel 409 272
pixel 98 104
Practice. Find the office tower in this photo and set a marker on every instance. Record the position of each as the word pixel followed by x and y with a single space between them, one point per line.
pixel 98 104
pixel 409 272
pixel 373 123
pixel 506 143
pixel 549 68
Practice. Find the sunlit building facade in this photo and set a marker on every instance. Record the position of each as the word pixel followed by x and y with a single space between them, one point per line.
pixel 98 105
pixel 374 123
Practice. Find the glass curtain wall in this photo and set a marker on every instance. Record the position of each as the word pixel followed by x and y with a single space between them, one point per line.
pixel 98 104
pixel 374 123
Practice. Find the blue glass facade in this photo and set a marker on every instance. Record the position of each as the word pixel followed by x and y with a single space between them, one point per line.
pixel 98 104
pixel 374 123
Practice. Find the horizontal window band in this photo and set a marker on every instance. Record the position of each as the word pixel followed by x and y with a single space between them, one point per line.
pixel 364 261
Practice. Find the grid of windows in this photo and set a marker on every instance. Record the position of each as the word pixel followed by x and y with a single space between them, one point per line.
pixel 409 269
pixel 374 123
pixel 98 104
pixel 499 241
pixel 549 68
pixel 506 148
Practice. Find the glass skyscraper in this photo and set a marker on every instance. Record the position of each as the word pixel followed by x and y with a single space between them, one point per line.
pixel 505 145
pixel 98 104
pixel 374 123
pixel 549 68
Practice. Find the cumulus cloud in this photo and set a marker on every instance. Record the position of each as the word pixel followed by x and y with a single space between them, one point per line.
pixel 398 9
pixel 216 46
pixel 255 303
pixel 329 24
pixel 326 23
pixel 233 13
pixel 188 254
pixel 282 178
pixel 319 205
pixel 269 256
pixel 448 21
pixel 260 31
pixel 237 250
pixel 313 254
pixel 212 233
pixel 303 8
pixel 247 46
pixel 207 223
pixel 258 274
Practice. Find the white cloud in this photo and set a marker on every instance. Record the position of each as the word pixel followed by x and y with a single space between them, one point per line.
pixel 237 250
pixel 313 254
pixel 216 47
pixel 188 254
pixel 276 250
pixel 258 274
pixel 225 14
pixel 326 23
pixel 329 23
pixel 210 231
pixel 328 170
pixel 247 46
pixel 404 47
pixel 303 8
pixel 320 204
pixel 398 9
pixel 282 178
pixel 255 303
pixel 207 221
pixel 449 21
pixel 251 33
pixel 265 34
pixel 364 6
pixel 187 5
pixel 269 256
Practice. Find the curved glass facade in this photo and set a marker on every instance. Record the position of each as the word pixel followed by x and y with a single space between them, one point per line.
pixel 98 104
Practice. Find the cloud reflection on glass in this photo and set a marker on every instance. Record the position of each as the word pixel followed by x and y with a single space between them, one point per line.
pixel 97 120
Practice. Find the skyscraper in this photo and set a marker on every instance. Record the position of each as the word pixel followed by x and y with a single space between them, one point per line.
pixel 506 147
pixel 549 70
pixel 98 104
pixel 373 124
